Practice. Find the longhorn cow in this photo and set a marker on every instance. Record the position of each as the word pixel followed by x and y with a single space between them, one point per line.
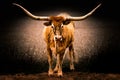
pixel 58 35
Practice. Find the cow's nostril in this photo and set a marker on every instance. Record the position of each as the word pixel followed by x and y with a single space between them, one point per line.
pixel 56 38
pixel 61 39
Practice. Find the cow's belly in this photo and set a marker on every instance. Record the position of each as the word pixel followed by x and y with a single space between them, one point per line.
pixel 61 46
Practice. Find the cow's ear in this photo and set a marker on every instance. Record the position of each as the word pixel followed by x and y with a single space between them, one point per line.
pixel 66 22
pixel 48 23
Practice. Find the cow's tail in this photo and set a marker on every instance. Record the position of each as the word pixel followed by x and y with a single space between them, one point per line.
pixel 74 58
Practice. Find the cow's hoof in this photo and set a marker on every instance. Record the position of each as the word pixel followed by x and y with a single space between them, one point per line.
pixel 60 74
pixel 72 68
pixel 50 73
pixel 55 70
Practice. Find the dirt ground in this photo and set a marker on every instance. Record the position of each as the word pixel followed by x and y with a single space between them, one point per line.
pixel 67 76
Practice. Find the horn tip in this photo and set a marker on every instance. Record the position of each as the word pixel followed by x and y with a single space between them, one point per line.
pixel 15 4
pixel 100 4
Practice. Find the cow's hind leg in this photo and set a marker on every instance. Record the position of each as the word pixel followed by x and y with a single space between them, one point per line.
pixel 49 54
pixel 71 54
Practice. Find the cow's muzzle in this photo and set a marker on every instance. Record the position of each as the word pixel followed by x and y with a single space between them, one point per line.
pixel 58 38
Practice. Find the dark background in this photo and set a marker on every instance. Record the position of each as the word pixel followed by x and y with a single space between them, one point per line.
pixel 108 11
pixel 107 61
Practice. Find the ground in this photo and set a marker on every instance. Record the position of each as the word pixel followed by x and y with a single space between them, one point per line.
pixel 67 76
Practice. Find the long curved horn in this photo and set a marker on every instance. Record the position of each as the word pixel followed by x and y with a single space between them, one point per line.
pixel 44 18
pixel 82 17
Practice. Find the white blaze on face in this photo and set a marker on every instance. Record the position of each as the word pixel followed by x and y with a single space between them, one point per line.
pixel 57 32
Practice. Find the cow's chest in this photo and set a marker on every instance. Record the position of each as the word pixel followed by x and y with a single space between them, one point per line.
pixel 57 43
pixel 57 46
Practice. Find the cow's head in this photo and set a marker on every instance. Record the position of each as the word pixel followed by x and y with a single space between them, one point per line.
pixel 56 22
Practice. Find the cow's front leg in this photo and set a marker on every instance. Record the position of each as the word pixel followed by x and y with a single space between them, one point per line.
pixel 59 61
pixel 56 67
pixel 49 54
